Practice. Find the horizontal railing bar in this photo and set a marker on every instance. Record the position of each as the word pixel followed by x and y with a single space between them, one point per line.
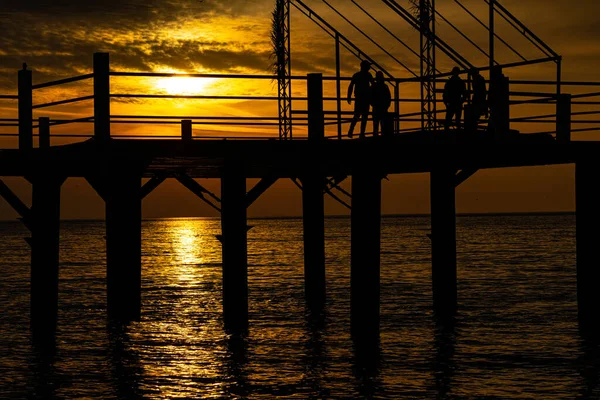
pixel 536 101
pixel 203 123
pixel 69 121
pixel 200 75
pixel 9 97
pixel 586 103
pixel 61 102
pixel 10 134
pixel 3 124
pixel 581 96
pixel 197 117
pixel 533 94
pixel 582 121
pixel 585 129
pixel 197 97
pixel 554 83
pixel 62 81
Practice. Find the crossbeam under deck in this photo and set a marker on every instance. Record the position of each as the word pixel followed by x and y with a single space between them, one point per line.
pixel 283 159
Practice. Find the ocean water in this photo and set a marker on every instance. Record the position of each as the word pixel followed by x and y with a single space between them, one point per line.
pixel 516 334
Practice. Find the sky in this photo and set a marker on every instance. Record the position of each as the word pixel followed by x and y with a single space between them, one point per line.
pixel 57 39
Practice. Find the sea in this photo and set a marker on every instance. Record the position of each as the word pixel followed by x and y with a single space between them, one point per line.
pixel 516 334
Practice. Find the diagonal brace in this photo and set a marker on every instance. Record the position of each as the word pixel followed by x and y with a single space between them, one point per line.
pixel 15 202
pixel 463 175
pixel 198 190
pixel 152 184
pixel 259 189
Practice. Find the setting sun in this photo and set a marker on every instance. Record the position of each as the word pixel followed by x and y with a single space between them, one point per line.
pixel 185 85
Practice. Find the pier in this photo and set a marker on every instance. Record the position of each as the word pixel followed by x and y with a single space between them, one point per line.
pixel 114 165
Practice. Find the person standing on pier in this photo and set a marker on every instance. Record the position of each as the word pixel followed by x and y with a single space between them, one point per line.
pixel 478 105
pixel 361 86
pixel 454 96
pixel 381 100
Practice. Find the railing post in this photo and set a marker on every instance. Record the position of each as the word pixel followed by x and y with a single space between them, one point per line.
pixel 338 84
pixel 397 107
pixel 101 97
pixel 186 129
pixel 316 120
pixel 44 130
pixel 563 118
pixel 25 109
pixel 499 103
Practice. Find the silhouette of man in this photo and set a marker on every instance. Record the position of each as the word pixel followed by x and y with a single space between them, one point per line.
pixel 381 99
pixel 361 86
pixel 478 100
pixel 454 97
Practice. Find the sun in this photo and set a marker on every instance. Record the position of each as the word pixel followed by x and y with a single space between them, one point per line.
pixel 185 85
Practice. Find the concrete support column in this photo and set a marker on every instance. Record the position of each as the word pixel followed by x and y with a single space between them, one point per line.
pixel 588 237
pixel 235 251
pixel 443 241
pixel 313 218
pixel 45 224
pixel 365 255
pixel 124 246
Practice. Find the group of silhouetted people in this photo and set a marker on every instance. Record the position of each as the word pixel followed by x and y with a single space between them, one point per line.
pixel 369 92
pixel 456 94
pixel 374 92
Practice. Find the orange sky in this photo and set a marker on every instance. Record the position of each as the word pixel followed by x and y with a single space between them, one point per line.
pixel 57 40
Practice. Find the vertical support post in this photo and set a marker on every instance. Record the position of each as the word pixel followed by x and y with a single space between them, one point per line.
pixel 313 207
pixel 492 36
pixel 123 245
pixel 25 109
pixel 443 241
pixel 101 97
pixel 587 236
pixel 45 254
pixel 558 75
pixel 499 103
pixel 44 129
pixel 316 120
pixel 365 254
pixel 563 118
pixel 313 219
pixel 235 250
pixel 186 129
pixel 338 84
pixel 397 108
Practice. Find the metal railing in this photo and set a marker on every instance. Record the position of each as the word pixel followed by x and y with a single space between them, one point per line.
pixel 529 108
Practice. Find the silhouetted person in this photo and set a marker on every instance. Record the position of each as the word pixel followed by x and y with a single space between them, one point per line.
pixel 381 100
pixel 478 105
pixel 361 86
pixel 454 97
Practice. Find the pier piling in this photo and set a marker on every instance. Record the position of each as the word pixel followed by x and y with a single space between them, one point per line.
pixel 313 207
pixel 45 253
pixel 365 254
pixel 588 237
pixel 443 241
pixel 124 245
pixel 235 252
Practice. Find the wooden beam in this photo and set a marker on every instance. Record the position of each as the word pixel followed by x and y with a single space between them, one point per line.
pixel 15 202
pixel 152 184
pixel 198 190
pixel 259 189
pixel 463 175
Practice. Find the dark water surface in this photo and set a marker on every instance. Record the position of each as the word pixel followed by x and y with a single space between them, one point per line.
pixel 516 335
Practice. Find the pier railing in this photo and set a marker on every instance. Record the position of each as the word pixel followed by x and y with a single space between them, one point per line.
pixel 525 107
